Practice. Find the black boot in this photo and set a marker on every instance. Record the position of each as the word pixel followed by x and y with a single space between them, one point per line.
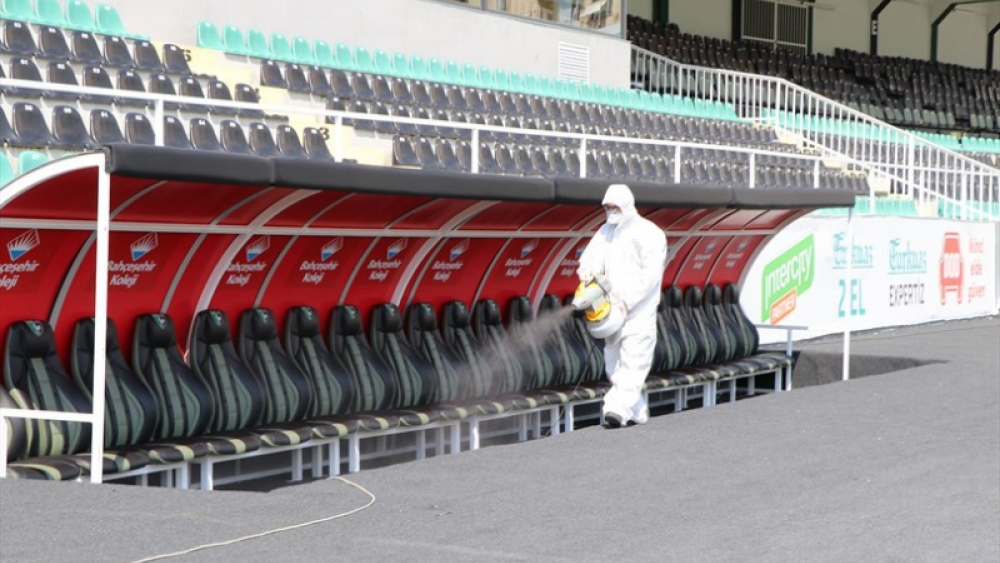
pixel 612 420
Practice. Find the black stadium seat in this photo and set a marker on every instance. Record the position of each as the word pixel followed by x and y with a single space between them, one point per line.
pixel 138 129
pixel 52 44
pixel 116 52
pixel 415 378
pixel 61 73
pixel 174 59
pixel 29 125
pixel 69 131
pixel 315 144
pixel 174 134
pixel 262 141
pixel 18 39
pixel 203 136
pixel 104 127
pixel 288 142
pixel 85 49
pixel 146 57
pixel 332 385
pixel 130 80
pixel 232 137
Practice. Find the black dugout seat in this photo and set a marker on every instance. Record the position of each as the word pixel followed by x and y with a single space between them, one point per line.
pixel 245 398
pixel 477 376
pixel 131 413
pixel 35 376
pixel 288 395
pixel 18 436
pixel 376 387
pixel 332 385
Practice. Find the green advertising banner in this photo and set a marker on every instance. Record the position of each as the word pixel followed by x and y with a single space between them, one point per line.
pixel 786 278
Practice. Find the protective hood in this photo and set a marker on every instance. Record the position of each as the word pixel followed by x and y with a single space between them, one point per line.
pixel 621 195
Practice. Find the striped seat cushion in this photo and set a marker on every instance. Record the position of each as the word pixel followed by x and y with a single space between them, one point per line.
pixel 176 451
pixel 44 469
pixel 115 461
pixel 280 435
pixel 333 426
pixel 376 421
pixel 233 443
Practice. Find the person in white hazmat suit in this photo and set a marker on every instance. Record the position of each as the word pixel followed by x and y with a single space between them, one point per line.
pixel 632 252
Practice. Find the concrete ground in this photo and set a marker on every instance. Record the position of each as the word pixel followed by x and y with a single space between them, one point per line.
pixel 897 467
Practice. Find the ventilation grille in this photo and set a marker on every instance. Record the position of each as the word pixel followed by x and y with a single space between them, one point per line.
pixel 574 62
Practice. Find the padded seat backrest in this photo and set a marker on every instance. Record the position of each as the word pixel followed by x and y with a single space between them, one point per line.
pixel 569 358
pixel 680 342
pixel 237 395
pixel 129 405
pixel 36 379
pixel 725 329
pixel 332 385
pixel 458 335
pixel 185 402
pixel 593 350
pixel 372 377
pixel 287 393
pixel 707 345
pixel 662 353
pixel 498 351
pixel 747 337
pixel 423 334
pixel 415 377
pixel 541 358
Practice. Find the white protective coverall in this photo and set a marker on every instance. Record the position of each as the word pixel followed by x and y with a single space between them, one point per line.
pixel 633 255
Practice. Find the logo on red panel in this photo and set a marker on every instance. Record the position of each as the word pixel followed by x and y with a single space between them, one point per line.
pixel 703 257
pixel 568 266
pixel 22 244
pixel 143 246
pixel 126 274
pixel 257 247
pixel 10 272
pixel 443 269
pixel 379 269
pixel 313 272
pixel 240 272
pixel 950 267
pixel 513 265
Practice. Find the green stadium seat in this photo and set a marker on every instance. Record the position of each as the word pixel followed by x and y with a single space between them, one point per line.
pixel 18 10
pixel 487 79
pixel 545 86
pixel 78 16
pixel 233 41
pixel 435 70
pixel 453 73
pixel 302 51
pixel 401 64
pixel 108 21
pixel 50 12
pixel 363 60
pixel 29 160
pixel 516 81
pixel 6 170
pixel 281 49
pixel 345 58
pixel 324 54
pixel 470 76
pixel 257 44
pixel 209 37
pixel 500 80
pixel 383 63
pixel 418 68
pixel 530 83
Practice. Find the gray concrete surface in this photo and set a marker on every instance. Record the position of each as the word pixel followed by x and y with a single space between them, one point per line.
pixel 899 467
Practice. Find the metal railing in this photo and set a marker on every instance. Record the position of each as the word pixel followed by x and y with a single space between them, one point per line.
pixel 678 152
pixel 915 166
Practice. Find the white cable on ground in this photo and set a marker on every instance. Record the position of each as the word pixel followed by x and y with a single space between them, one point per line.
pixel 371 501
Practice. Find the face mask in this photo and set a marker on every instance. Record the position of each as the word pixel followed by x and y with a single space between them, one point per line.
pixel 614 217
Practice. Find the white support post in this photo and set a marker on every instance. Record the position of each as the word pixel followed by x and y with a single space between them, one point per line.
pixel 100 324
pixel 753 170
pixel 474 164
pixel 158 115
pixel 568 414
pixel 338 139
pixel 849 314
pixel 583 158
pixel 677 164
pixel 816 170
pixel 353 453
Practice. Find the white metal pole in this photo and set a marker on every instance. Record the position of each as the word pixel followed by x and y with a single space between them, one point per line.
pixel 100 324
pixel 849 314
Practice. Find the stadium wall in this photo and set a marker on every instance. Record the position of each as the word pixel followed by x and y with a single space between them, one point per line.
pixel 905 271
pixel 424 27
